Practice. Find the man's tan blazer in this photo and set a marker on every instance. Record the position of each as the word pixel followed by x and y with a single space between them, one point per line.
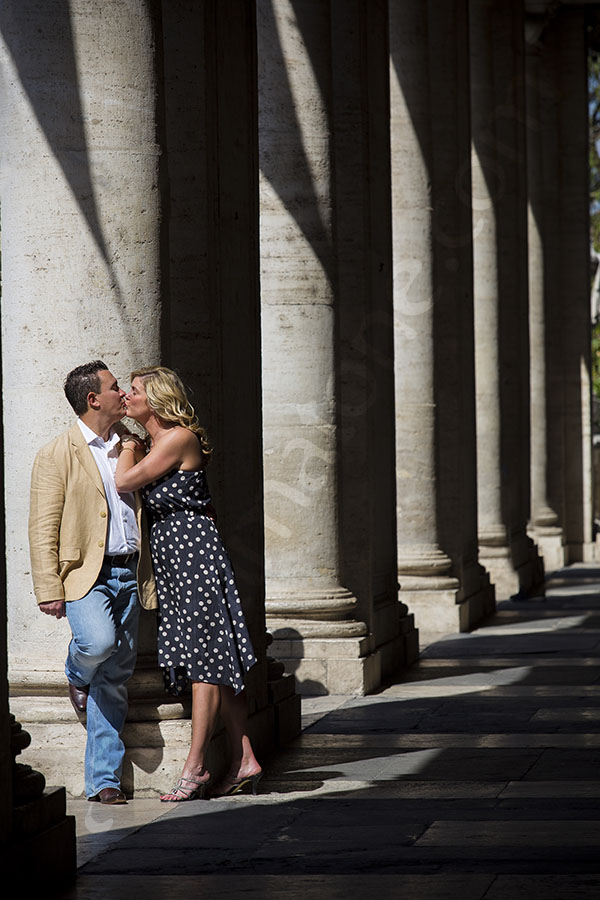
pixel 68 521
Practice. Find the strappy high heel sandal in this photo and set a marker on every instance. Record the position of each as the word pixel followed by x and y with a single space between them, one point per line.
pixel 195 793
pixel 230 786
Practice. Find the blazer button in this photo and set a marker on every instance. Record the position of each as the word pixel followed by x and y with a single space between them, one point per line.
pixel 103 514
pixel 101 543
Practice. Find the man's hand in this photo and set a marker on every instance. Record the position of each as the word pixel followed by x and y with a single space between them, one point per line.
pixel 132 440
pixel 135 443
pixel 55 608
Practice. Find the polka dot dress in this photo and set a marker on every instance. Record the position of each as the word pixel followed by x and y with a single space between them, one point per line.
pixel 202 633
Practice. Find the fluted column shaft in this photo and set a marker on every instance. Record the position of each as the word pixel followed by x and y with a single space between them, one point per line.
pixel 298 290
pixel 305 596
pixel 81 267
pixel 574 475
pixel 500 293
pixel 545 351
pixel 433 294
pixel 541 513
pixel 419 552
pixel 364 316
pixel 80 223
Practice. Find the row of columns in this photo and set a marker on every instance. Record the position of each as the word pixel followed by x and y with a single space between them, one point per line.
pixel 559 283
pixel 373 277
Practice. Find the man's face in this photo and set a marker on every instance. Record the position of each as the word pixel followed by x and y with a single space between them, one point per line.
pixel 110 398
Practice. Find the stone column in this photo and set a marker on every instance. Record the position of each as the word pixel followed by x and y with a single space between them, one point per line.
pixel 440 578
pixel 312 614
pixel 500 289
pixel 365 349
pixel 80 251
pixel 567 38
pixel 545 527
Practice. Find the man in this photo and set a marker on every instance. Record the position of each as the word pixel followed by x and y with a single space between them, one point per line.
pixel 89 563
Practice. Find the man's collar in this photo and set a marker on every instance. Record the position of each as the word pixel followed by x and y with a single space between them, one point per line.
pixel 91 435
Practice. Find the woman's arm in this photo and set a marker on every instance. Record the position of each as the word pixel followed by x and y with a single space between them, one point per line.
pixel 165 455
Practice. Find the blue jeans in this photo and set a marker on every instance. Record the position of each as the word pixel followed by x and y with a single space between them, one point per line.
pixel 102 653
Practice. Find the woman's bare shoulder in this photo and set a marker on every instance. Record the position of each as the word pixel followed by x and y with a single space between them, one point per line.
pixel 184 442
pixel 179 436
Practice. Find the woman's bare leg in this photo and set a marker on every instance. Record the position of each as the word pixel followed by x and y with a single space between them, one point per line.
pixel 235 718
pixel 206 699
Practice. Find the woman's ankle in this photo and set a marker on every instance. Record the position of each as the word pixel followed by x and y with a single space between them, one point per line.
pixel 199 772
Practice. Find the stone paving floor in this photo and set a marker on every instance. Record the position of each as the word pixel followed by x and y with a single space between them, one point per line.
pixel 474 775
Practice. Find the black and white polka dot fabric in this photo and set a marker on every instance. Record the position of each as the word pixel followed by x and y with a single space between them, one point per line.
pixel 202 633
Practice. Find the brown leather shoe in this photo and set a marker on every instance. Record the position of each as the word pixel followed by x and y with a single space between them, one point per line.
pixel 109 796
pixel 78 697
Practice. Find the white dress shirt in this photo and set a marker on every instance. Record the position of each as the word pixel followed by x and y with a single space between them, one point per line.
pixel 123 534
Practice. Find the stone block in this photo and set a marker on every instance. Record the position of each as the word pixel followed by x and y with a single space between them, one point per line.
pixel 311 674
pixel 39 815
pixel 323 648
pixel 288 719
pixel 156 748
pixel 411 647
pixel 62 765
pixel 590 550
pixel 157 711
pixel 354 676
pixel 441 611
pixel 477 607
pixel 551 548
pixel 386 618
pixel 504 576
pixel 44 710
pixel 45 857
pixel 157 734
pixel 281 689
pixel 262 730
pixel 393 655
pixel 406 624
pixel 435 611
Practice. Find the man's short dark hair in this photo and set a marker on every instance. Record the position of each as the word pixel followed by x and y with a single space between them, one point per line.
pixel 80 382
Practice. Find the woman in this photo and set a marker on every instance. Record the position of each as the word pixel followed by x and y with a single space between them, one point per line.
pixel 202 632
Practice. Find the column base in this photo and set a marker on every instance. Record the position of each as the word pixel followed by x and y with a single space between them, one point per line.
pixel 157 734
pixel 588 551
pixel 325 662
pixel 402 651
pixel 318 639
pixel 331 665
pixel 444 608
pixel 550 543
pixel 42 849
pixel 396 638
pixel 516 570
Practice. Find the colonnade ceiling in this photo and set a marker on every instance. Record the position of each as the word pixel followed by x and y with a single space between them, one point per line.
pixel 540 12
pixel 539 7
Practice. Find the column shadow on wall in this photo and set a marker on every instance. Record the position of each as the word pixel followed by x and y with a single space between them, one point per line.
pixel 294 183
pixel 37 51
pixel 306 686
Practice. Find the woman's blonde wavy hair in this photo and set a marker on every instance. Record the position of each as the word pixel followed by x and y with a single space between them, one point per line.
pixel 167 398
